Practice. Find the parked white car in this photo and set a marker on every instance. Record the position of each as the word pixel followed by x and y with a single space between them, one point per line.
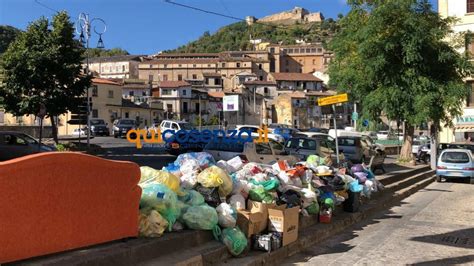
pixel 254 131
pixel 79 132
pixel 174 125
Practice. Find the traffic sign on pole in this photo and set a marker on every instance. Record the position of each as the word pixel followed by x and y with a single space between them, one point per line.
pixel 340 98
pixel 355 116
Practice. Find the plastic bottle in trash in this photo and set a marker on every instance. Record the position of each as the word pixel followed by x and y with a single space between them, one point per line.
pixel 308 176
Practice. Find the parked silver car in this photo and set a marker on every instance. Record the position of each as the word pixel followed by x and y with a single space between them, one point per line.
pixel 302 147
pixel 265 153
pixel 362 150
pixel 17 144
pixel 455 163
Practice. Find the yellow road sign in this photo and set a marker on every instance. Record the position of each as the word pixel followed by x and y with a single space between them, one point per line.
pixel 340 98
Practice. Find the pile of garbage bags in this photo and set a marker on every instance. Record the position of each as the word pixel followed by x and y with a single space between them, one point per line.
pixel 196 192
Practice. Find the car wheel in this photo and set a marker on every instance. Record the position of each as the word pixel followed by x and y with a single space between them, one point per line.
pixel 438 179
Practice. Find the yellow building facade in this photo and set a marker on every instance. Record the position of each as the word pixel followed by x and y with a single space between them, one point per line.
pixel 463 10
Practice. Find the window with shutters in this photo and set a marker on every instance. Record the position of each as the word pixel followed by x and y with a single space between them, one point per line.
pixel 95 91
pixel 470 6
pixel 470 98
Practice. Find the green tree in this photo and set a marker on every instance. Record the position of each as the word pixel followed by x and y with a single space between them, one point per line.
pixel 44 66
pixel 392 56
pixel 7 36
pixel 213 121
pixel 98 52
pixel 236 36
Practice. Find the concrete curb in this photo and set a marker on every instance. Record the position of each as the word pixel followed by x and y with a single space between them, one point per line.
pixel 136 251
pixel 319 232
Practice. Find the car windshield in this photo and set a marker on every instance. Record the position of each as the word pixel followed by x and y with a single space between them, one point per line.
pixel 455 157
pixel 127 122
pixel 346 142
pixel 97 122
pixel 305 144
pixel 29 139
pixel 218 144
pixel 185 126
pixel 416 142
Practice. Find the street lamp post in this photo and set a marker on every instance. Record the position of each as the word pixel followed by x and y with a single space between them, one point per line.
pixel 83 27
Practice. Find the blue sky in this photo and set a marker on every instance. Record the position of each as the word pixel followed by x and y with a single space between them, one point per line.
pixel 149 26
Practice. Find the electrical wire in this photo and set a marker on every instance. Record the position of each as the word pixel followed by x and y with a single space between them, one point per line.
pixel 45 6
pixel 225 7
pixel 221 15
pixel 203 10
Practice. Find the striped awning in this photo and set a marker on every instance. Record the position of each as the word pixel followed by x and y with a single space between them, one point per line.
pixel 464 128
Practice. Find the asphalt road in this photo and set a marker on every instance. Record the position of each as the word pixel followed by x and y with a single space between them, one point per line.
pixel 121 149
pixel 155 156
pixel 434 226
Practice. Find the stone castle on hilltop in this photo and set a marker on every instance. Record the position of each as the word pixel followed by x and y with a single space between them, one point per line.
pixel 290 17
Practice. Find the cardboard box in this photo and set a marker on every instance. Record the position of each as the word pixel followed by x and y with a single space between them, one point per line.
pixel 254 220
pixel 259 207
pixel 286 221
pixel 250 223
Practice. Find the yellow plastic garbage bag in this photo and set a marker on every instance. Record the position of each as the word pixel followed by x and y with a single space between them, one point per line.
pixel 149 175
pixel 151 224
pixel 216 177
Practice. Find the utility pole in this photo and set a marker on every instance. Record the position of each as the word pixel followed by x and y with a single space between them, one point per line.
pixel 84 24
pixel 355 121
pixel 200 123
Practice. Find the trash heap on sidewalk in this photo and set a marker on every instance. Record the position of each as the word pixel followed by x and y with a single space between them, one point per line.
pixel 240 201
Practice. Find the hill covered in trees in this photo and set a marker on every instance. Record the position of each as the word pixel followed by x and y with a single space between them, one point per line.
pixel 7 35
pixel 236 36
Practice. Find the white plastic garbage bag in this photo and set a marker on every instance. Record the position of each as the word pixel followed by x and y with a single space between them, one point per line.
pixel 190 165
pixel 223 165
pixel 189 179
pixel 235 163
pixel 227 216
pixel 238 202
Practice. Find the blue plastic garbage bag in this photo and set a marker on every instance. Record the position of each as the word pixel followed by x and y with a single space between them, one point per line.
pixel 354 186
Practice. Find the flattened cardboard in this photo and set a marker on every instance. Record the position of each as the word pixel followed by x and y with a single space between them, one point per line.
pixel 285 221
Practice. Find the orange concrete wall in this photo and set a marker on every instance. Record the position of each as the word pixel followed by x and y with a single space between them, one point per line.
pixel 53 202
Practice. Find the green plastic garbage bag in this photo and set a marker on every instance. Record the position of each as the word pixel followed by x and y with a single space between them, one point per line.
pixel 202 217
pixel 192 197
pixel 313 208
pixel 183 207
pixel 315 160
pixel 162 199
pixel 261 195
pixel 235 240
pixel 329 202
pixel 269 185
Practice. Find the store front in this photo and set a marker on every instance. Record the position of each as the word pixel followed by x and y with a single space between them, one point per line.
pixel 464 128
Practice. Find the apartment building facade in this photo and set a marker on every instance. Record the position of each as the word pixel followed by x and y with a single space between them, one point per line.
pixel 201 68
pixel 463 10
pixel 300 58
pixel 115 67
